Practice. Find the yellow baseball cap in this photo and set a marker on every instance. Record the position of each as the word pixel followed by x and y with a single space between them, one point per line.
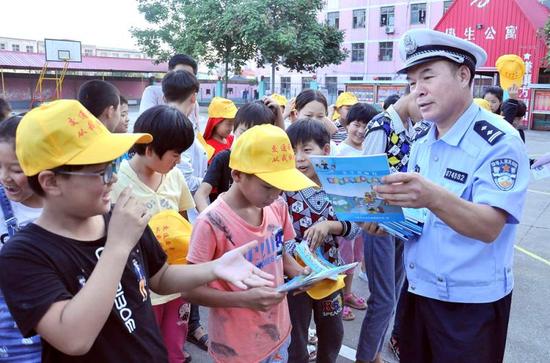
pixel 266 152
pixel 483 103
pixel 221 108
pixel 280 99
pixel 344 99
pixel 326 287
pixel 64 132
pixel 511 69
pixel 173 233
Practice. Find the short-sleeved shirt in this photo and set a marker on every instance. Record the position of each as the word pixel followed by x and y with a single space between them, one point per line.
pixel 236 334
pixel 40 268
pixel 481 159
pixel 344 149
pixel 171 194
pixel 220 146
pixel 218 174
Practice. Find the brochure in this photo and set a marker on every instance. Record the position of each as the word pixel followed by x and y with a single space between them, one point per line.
pixel 321 269
pixel 348 182
pixel 411 227
pixel 541 172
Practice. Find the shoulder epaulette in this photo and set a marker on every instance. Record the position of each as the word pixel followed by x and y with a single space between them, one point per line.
pixel 488 131
pixel 422 128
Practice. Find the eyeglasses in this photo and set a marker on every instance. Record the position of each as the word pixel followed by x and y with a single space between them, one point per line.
pixel 106 174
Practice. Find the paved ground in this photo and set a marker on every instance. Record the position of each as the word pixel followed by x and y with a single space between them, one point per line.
pixel 530 322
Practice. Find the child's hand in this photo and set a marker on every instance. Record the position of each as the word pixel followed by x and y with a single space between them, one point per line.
pixel 316 234
pixel 373 228
pixel 274 107
pixel 128 220
pixel 513 92
pixel 234 268
pixel 262 298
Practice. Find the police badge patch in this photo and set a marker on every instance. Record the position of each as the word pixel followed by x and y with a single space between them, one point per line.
pixel 504 173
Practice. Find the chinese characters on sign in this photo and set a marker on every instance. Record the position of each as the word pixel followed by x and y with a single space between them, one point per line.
pixel 479 3
pixel 510 32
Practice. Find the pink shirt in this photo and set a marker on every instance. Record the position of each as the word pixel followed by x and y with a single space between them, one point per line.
pixel 236 334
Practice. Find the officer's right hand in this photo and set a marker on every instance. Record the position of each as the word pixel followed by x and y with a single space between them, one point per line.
pixel 128 220
pixel 262 298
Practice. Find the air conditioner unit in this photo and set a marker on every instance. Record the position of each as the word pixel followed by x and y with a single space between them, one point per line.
pixel 390 30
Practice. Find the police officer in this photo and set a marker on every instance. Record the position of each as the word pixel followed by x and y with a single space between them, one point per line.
pixel 470 170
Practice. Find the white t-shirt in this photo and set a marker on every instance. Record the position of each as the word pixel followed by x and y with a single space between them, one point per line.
pixel 343 149
pixel 24 215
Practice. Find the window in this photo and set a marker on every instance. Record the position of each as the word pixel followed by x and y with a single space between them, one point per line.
pixel 356 78
pixel 29 49
pixel 103 54
pixel 267 83
pixel 126 55
pixel 115 55
pixel 2 46
pixel 386 51
pixel 358 52
pixel 285 86
pixel 387 15
pixel 88 52
pixel 306 82
pixel 15 47
pixel 418 13
pixel 446 5
pixel 331 83
pixel 358 18
pixel 333 19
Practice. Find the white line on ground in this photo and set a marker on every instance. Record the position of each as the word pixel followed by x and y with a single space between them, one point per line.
pixel 348 353
pixel 538 192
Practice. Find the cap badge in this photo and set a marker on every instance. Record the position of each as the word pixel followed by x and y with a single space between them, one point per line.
pixel 410 44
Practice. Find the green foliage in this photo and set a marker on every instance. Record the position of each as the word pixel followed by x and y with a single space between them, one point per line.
pixel 273 32
pixel 547 37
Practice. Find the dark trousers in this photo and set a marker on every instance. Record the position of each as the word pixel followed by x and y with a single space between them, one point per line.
pixel 194 318
pixel 327 314
pixel 400 309
pixel 444 332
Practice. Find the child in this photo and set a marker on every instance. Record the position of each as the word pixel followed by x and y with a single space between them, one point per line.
pixel 494 95
pixel 5 109
pixel 122 126
pixel 61 274
pixel 343 103
pixel 357 118
pixel 156 182
pixel 221 113
pixel 351 251
pixel 218 176
pixel 102 99
pixel 314 220
pixel 180 91
pixel 253 325
pixel 20 206
pixel 313 104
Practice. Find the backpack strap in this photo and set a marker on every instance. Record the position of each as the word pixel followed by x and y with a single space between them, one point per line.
pixel 9 217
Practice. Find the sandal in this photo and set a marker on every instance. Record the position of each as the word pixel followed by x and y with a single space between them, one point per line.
pixel 394 346
pixel 312 336
pixel 347 314
pixel 312 352
pixel 186 357
pixel 355 301
pixel 199 338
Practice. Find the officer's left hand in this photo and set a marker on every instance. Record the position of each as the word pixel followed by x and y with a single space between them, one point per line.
pixel 407 190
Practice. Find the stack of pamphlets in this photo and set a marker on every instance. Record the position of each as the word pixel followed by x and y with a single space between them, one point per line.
pixel 320 268
pixel 541 172
pixel 349 181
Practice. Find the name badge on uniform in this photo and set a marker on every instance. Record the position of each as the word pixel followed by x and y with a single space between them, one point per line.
pixel 504 173
pixel 455 175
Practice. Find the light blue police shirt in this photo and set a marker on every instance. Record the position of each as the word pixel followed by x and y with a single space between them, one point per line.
pixel 480 159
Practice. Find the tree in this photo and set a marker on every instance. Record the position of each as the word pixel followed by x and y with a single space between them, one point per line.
pixel 209 30
pixel 547 37
pixel 289 34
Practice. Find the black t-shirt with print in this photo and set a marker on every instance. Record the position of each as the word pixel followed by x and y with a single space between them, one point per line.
pixel 218 174
pixel 39 268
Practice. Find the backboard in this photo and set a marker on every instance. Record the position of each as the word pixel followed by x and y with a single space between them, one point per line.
pixel 61 50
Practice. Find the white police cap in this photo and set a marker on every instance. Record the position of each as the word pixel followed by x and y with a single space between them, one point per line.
pixel 419 46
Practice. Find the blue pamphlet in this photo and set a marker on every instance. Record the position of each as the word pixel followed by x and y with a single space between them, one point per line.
pixel 348 182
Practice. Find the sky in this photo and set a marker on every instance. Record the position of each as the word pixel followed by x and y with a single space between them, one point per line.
pixel 96 22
